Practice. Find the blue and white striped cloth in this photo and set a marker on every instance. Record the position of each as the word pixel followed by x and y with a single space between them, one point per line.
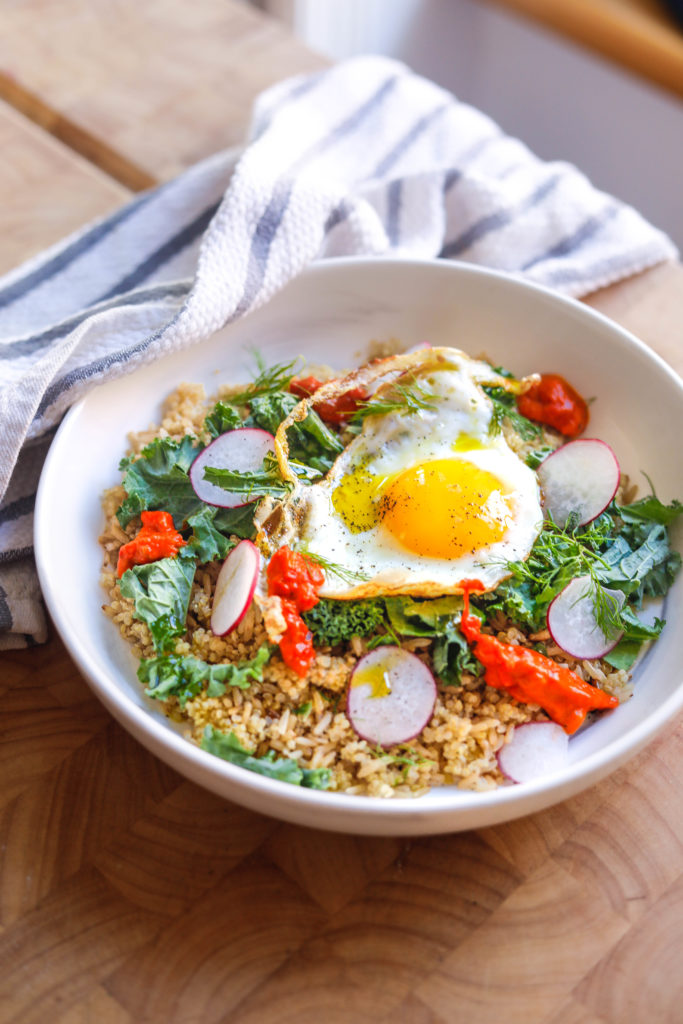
pixel 363 158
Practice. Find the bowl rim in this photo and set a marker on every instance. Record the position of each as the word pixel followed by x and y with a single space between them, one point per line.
pixel 196 763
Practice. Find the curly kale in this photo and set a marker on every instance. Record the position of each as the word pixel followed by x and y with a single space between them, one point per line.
pixel 333 622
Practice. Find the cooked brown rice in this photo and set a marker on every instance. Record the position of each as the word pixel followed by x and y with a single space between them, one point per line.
pixel 304 719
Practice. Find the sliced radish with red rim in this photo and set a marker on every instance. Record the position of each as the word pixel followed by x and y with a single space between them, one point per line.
pixel 235 587
pixel 580 477
pixel 391 696
pixel 242 451
pixel 573 623
pixel 536 749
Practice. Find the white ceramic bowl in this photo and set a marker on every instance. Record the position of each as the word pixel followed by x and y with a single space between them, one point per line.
pixel 329 315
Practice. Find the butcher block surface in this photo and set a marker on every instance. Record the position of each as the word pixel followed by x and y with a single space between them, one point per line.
pixel 127 894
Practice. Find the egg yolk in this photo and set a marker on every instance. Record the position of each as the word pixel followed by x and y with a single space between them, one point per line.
pixel 445 508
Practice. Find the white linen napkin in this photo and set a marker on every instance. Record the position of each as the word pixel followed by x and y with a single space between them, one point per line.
pixel 363 158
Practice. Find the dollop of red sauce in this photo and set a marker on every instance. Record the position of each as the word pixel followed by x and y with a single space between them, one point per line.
pixel 555 402
pixel 296 580
pixel 334 410
pixel 531 677
pixel 156 538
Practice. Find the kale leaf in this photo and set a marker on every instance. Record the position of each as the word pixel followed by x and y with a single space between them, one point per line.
pixel 223 417
pixel 207 542
pixel 650 509
pixel 251 484
pixel 172 675
pixel 161 592
pixel 227 746
pixel 438 618
pixel 311 441
pixel 236 521
pixel 333 622
pixel 647 570
pixel 626 548
pixel 158 480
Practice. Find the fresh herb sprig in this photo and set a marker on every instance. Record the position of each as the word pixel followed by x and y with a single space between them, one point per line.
pixel 268 381
pixel 626 548
pixel 559 556
pixel 348 576
pixel 407 399
pixel 505 407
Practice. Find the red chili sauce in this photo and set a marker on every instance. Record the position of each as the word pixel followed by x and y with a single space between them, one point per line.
pixel 334 410
pixel 555 402
pixel 531 677
pixel 156 538
pixel 296 580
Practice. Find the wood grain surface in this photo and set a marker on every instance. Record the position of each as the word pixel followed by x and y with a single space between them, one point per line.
pixel 127 894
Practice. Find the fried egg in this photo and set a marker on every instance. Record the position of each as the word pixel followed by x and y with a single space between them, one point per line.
pixel 424 498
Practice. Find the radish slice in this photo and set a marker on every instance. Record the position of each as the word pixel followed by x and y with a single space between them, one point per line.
pixel 242 450
pixel 235 587
pixel 535 750
pixel 391 696
pixel 582 476
pixel 572 622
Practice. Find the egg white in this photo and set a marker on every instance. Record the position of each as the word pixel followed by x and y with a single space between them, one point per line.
pixel 456 426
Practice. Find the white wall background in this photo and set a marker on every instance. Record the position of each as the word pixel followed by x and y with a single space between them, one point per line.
pixel 563 102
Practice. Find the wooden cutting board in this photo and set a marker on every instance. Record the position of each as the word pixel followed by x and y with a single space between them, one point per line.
pixel 127 894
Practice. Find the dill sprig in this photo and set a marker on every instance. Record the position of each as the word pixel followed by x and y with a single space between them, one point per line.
pixel 268 380
pixel 606 609
pixel 349 576
pixel 561 555
pixel 404 398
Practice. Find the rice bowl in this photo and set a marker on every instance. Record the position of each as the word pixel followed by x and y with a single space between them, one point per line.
pixel 357 300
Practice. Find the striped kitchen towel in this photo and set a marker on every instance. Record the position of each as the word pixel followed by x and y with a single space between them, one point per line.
pixel 363 158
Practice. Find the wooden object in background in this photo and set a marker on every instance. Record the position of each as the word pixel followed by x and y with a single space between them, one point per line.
pixel 636 35
pixel 143 89
pixel 47 191
pixel 129 895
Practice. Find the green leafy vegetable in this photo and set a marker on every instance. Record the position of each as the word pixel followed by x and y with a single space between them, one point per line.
pixel 406 760
pixel 158 480
pixel 557 557
pixel 652 510
pixel 172 675
pixel 437 618
pixel 536 457
pixel 627 548
pixel 207 542
pixel 268 380
pixel 161 592
pixel 251 485
pixel 647 570
pixel 333 622
pixel 266 481
pixel 310 441
pixel 505 407
pixel 624 654
pixel 223 417
pixel 227 746
pixel 236 521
